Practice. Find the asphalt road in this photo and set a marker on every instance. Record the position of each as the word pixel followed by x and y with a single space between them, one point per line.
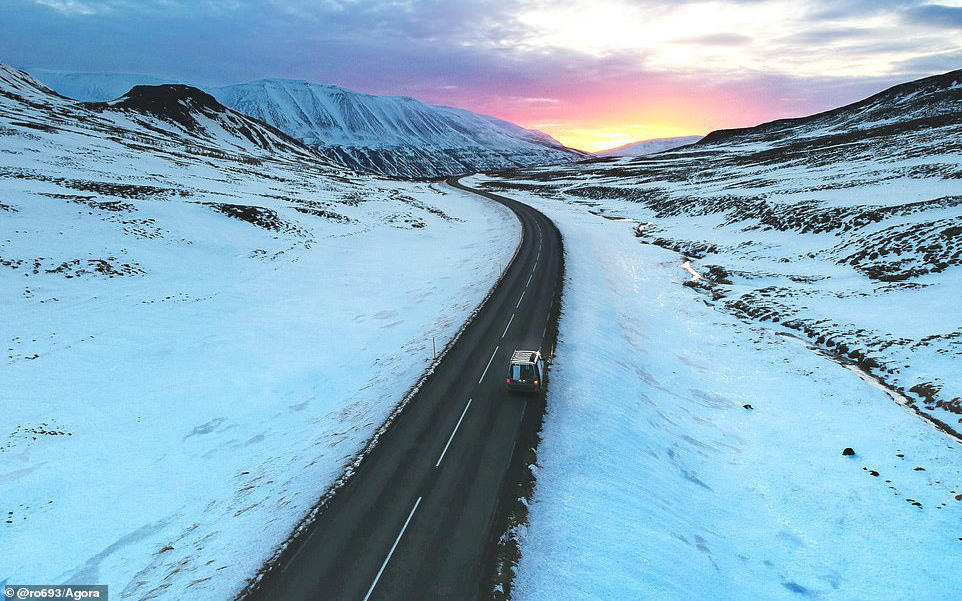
pixel 414 522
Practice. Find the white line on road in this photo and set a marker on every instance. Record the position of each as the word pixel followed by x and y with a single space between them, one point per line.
pixel 507 326
pixel 520 299
pixel 489 363
pixel 458 425
pixel 529 279
pixel 391 552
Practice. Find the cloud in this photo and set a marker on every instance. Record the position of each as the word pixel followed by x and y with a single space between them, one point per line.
pixel 718 39
pixel 937 15
pixel 69 7
pixel 723 62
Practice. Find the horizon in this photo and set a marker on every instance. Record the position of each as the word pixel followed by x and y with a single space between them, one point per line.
pixel 593 75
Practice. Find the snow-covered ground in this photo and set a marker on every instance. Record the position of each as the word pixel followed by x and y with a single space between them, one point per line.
pixel 654 481
pixel 200 333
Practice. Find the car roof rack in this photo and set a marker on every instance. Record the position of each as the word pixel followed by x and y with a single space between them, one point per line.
pixel 524 357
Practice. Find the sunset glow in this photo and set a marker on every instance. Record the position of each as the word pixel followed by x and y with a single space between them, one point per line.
pixel 592 73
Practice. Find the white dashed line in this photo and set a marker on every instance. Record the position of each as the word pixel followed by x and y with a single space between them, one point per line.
pixel 520 299
pixel 529 279
pixel 489 363
pixel 391 552
pixel 507 326
pixel 458 425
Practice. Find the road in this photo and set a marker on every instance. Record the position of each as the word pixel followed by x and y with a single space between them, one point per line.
pixel 414 522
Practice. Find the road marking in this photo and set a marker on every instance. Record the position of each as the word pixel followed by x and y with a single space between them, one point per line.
pixel 520 299
pixel 544 332
pixel 507 326
pixel 489 363
pixel 458 425
pixel 529 279
pixel 391 552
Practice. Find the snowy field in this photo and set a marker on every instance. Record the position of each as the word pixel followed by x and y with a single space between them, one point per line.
pixel 200 334
pixel 655 482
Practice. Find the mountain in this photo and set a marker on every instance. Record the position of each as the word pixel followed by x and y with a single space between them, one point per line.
pixel 924 103
pixel 197 115
pixel 387 135
pixel 649 146
pixel 392 135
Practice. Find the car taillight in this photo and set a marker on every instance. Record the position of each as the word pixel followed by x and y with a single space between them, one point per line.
pixel 535 382
pixel 508 380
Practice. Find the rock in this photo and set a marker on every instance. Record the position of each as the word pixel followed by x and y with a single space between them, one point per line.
pixel 848 451
pixel 746 406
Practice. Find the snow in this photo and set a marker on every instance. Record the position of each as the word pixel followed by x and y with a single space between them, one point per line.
pixel 649 146
pixel 198 344
pixel 654 482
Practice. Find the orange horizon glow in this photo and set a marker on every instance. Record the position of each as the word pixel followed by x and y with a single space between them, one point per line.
pixel 602 123
pixel 614 135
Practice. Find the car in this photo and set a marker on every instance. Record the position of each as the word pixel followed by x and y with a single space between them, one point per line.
pixel 525 372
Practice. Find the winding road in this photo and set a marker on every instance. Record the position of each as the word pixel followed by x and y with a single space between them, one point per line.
pixel 415 520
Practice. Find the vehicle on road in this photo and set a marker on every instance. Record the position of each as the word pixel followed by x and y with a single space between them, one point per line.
pixel 526 372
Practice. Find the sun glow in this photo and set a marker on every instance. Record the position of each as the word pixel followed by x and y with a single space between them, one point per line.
pixel 616 120
pixel 611 136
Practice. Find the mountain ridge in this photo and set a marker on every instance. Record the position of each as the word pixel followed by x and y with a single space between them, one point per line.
pixel 939 84
pixel 395 136
pixel 643 147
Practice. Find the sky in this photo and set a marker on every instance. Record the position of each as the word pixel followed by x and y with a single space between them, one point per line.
pixel 594 74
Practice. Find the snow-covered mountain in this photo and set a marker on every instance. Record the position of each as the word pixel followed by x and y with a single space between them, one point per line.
pixel 925 104
pixel 204 320
pixel 762 339
pixel 392 135
pixel 95 87
pixel 649 146
pixel 387 135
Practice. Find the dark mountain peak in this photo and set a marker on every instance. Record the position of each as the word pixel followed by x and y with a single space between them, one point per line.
pixel 159 97
pixel 178 103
